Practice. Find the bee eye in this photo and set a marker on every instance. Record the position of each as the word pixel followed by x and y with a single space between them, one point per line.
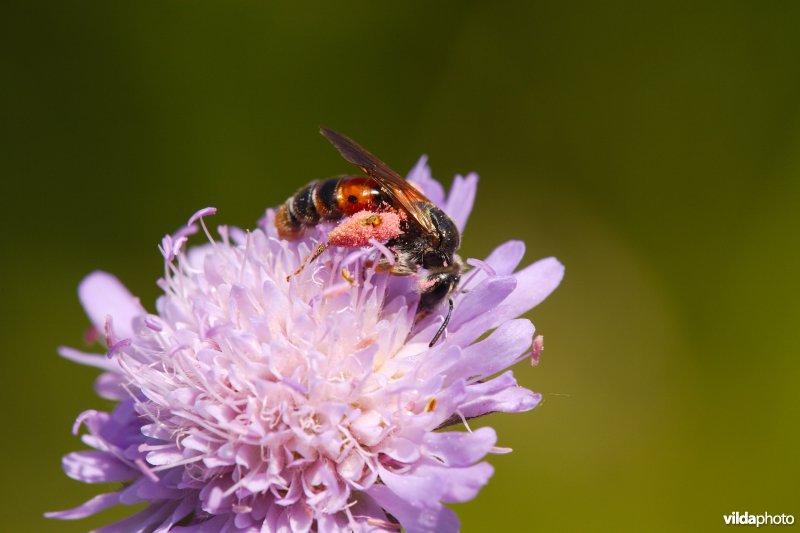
pixel 432 259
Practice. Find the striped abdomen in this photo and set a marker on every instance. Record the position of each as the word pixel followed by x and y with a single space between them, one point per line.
pixel 331 199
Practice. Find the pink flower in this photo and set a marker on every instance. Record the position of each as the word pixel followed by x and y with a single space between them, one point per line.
pixel 249 402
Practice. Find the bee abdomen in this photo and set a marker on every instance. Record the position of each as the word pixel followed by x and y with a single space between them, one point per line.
pixel 302 206
pixel 324 196
pixel 289 227
pixel 312 203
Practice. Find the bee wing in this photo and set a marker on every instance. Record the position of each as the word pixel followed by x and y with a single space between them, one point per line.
pixel 395 185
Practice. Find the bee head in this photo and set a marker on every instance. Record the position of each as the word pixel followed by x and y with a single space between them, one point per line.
pixel 439 284
pixel 446 243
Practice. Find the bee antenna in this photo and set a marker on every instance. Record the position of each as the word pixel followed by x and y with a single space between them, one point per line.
pixel 444 324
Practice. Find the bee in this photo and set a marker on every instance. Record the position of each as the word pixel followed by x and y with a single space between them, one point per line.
pixel 429 238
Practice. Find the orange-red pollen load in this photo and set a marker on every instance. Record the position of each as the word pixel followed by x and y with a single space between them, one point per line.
pixel 359 230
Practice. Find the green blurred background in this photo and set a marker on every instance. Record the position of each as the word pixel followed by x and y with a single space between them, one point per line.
pixel 653 147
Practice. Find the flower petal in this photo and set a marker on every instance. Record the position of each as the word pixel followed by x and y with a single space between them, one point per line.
pixel 506 257
pixel 370 516
pixel 89 359
pixel 481 300
pixel 461 198
pixel 110 386
pixel 96 467
pixel 534 284
pixel 458 448
pixel 427 483
pixel 496 352
pixel 428 517
pixel 402 450
pixel 503 261
pixel 421 175
pixel 95 505
pixel 145 520
pixel 101 295
pixel 464 482
pixel 499 395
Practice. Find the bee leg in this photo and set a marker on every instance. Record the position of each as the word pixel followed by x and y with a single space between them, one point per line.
pixel 309 259
pixel 444 324
pixel 404 265
pixel 383 266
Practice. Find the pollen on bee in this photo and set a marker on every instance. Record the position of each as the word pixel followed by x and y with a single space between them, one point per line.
pixel 358 230
pixel 426 284
pixel 373 220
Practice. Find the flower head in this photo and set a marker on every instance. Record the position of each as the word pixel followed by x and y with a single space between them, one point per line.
pixel 249 402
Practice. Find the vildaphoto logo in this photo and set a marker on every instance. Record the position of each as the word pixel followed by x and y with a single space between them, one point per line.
pixel 766 519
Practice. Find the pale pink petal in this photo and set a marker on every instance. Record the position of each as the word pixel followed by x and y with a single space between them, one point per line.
pixel 501 394
pixel 427 482
pixel 503 260
pixel 534 284
pixel 460 199
pixel 421 176
pixel 145 520
pixel 102 295
pixel 111 386
pixel 95 505
pixel 96 467
pixel 505 344
pixel 456 448
pixel 506 257
pixel 430 517
pixel 89 359
pixel 481 300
